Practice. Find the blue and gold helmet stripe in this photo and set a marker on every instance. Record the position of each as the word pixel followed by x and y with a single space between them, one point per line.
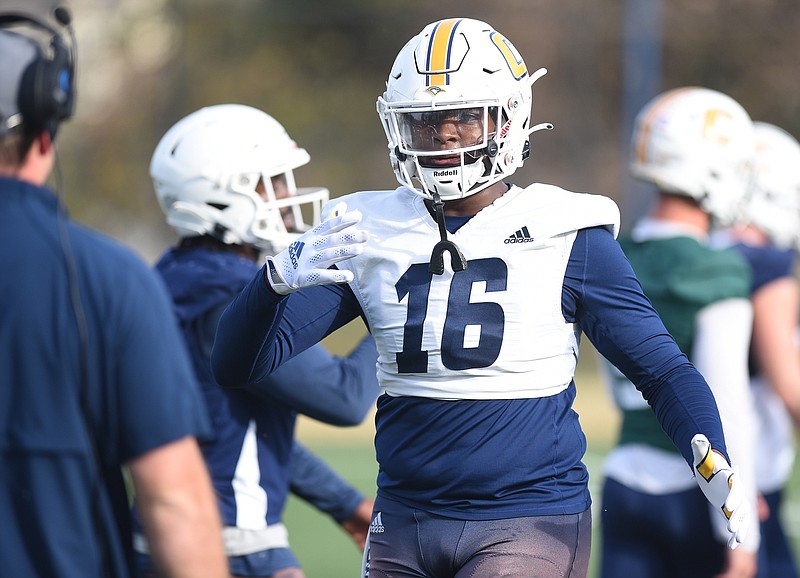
pixel 438 57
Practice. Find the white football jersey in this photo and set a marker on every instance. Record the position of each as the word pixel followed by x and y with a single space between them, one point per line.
pixel 492 331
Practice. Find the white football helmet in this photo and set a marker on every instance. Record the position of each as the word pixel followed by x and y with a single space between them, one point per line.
pixel 209 171
pixel 461 73
pixel 699 143
pixel 773 204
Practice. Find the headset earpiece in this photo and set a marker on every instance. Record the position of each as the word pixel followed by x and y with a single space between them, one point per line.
pixel 47 92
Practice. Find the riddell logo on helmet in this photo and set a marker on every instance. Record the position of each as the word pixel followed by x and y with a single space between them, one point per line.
pixel 504 131
pixel 447 173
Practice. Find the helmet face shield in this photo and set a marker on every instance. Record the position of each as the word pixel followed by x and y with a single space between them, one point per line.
pixel 442 132
pixel 285 212
pixel 446 149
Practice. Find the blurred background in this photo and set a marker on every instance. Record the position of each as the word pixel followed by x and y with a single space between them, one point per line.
pixel 318 67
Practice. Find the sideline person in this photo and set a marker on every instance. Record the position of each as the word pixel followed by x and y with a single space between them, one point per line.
pixel 94 376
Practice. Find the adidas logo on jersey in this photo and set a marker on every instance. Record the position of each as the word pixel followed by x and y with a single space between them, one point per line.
pixel 376 527
pixel 521 236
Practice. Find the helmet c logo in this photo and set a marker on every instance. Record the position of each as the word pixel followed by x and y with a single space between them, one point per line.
pixel 513 59
pixel 717 126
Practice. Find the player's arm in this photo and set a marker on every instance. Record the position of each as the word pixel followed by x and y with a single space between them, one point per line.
pixel 776 308
pixel 330 388
pixel 720 352
pixel 251 341
pixel 179 511
pixel 604 296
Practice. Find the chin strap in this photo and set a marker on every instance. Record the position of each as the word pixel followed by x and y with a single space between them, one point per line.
pixel 457 260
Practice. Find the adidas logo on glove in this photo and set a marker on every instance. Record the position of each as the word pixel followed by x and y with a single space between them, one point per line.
pixel 294 252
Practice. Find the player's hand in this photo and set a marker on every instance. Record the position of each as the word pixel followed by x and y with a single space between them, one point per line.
pixel 357 525
pixel 719 483
pixel 306 262
pixel 739 563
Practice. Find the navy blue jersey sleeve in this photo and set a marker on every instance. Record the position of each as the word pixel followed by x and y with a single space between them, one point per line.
pixel 315 482
pixel 253 338
pixel 250 320
pixel 338 390
pixel 333 389
pixel 768 263
pixel 603 295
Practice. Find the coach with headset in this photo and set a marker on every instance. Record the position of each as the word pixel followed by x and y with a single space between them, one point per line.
pixel 93 374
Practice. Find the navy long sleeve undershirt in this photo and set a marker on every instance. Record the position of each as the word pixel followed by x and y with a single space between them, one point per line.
pixel 601 294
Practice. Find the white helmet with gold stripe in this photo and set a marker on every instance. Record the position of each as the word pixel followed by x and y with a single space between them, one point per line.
pixel 699 143
pixel 457 109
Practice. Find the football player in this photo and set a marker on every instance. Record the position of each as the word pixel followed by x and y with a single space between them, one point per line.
pixel 695 145
pixel 476 291
pixel 767 235
pixel 224 177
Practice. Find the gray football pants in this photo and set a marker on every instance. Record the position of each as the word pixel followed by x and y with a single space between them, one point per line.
pixel 420 545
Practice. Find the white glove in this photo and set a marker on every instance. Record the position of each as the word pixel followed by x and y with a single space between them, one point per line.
pixel 721 487
pixel 306 262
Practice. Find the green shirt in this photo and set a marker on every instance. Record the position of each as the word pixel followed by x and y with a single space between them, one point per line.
pixel 680 276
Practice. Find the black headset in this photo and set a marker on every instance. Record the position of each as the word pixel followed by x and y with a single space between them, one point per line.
pixel 47 88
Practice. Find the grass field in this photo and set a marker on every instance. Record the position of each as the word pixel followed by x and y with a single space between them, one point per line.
pixel 327 552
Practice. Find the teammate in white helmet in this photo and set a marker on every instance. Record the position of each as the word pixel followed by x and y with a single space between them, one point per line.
pixel 695 145
pixel 767 234
pixel 224 177
pixel 476 291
